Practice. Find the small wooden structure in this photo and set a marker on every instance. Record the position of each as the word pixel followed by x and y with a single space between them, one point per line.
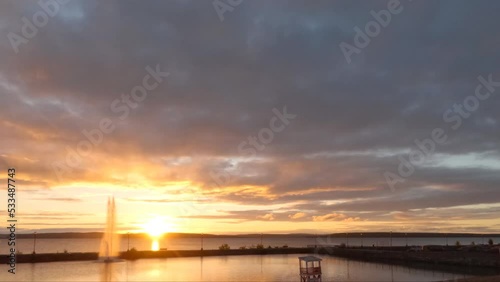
pixel 310 269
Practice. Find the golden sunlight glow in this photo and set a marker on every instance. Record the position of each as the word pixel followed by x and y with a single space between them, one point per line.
pixel 155 246
pixel 157 226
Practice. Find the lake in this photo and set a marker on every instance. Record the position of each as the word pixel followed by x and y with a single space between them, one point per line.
pixel 222 268
pixel 92 245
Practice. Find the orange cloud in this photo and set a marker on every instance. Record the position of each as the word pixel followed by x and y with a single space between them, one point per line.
pixel 335 217
pixel 268 216
pixel 297 215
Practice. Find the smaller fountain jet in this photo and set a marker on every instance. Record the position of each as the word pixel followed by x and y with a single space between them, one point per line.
pixel 110 247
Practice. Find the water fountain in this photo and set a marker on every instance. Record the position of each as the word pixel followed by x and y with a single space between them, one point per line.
pixel 110 245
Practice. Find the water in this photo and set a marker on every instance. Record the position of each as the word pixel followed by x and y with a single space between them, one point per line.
pixel 223 268
pixel 110 243
pixel 93 245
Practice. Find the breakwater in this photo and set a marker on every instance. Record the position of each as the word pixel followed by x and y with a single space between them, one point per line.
pixel 132 255
pixel 431 256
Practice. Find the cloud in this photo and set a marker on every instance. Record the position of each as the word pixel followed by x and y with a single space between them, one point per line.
pixel 297 215
pixel 166 200
pixel 334 217
pixel 329 217
pixel 353 120
pixel 268 216
pixel 59 199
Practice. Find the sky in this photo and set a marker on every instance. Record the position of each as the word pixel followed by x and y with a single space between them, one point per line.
pixel 252 116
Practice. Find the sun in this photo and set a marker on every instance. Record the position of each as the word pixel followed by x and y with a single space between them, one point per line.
pixel 157 226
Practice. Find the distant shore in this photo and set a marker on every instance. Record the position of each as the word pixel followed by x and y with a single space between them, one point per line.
pixel 68 235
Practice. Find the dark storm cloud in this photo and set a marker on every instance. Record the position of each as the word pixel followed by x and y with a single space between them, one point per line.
pixel 225 79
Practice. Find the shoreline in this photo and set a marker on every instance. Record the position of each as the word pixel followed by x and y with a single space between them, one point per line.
pixel 409 235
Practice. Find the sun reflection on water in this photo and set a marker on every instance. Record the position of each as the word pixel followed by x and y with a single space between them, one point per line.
pixel 155 246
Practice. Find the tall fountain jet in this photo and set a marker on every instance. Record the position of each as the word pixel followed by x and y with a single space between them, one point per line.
pixel 110 245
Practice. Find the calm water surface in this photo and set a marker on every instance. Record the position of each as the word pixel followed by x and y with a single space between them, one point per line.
pixel 223 268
